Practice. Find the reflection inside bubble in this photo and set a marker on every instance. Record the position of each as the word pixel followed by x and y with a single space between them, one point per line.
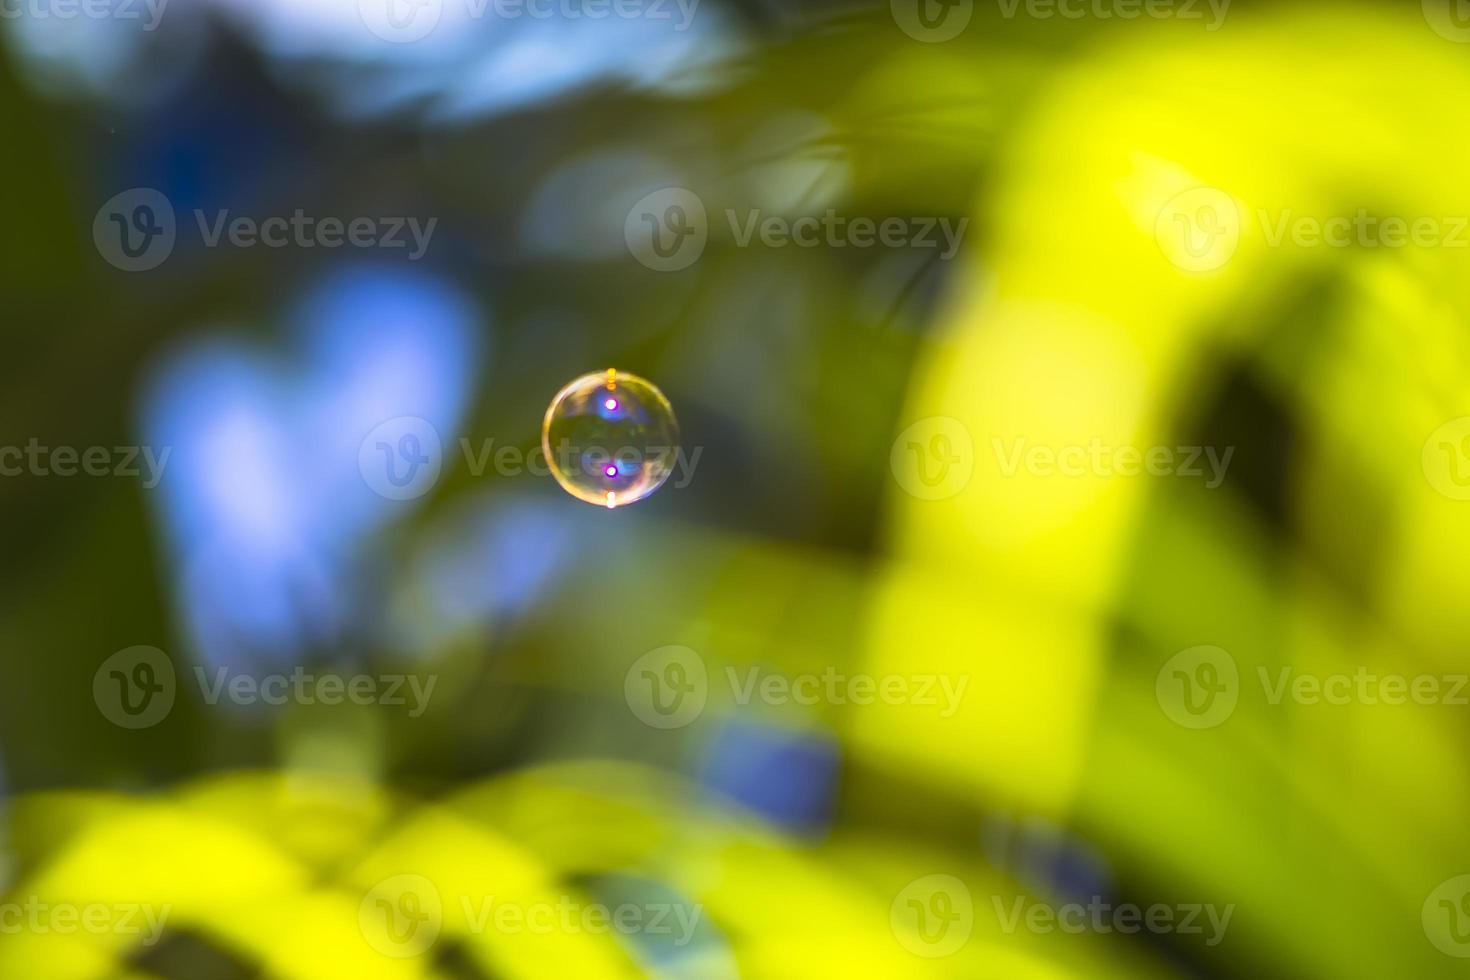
pixel 610 438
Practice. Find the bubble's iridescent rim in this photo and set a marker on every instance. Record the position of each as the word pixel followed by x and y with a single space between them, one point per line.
pixel 609 379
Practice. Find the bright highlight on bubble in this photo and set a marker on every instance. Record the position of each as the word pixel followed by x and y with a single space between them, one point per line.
pixel 610 438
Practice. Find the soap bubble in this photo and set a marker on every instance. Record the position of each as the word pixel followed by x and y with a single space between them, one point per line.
pixel 610 438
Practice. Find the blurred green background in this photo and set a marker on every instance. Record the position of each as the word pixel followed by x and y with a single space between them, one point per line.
pixel 1086 603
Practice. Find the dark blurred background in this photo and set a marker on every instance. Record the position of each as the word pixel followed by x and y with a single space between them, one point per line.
pixel 869 686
